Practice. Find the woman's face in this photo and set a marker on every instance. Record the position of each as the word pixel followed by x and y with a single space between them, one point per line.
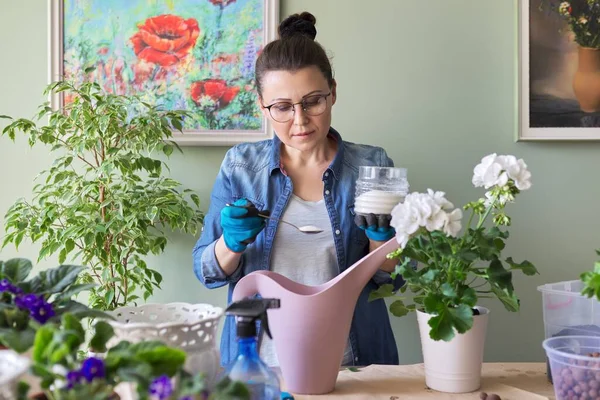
pixel 309 121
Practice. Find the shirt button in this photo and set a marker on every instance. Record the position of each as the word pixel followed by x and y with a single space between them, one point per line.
pixel 337 232
pixel 355 358
pixel 326 174
pixel 327 192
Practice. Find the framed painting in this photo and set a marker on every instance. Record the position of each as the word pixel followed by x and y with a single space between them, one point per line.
pixel 193 55
pixel 559 72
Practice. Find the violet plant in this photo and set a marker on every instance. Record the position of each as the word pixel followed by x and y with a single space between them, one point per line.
pixel 27 304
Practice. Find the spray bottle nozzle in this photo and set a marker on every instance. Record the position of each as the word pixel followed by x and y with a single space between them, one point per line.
pixel 247 311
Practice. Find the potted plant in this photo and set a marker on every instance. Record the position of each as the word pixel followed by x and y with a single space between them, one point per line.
pixel 105 200
pixel 28 304
pixel 155 369
pixel 583 20
pixel 457 269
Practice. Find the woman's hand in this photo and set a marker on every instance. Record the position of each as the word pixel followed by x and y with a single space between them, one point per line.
pixel 376 226
pixel 241 224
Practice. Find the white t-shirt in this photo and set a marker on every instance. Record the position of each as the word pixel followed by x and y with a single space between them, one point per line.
pixel 307 259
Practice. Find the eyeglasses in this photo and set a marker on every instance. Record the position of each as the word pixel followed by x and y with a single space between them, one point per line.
pixel 312 105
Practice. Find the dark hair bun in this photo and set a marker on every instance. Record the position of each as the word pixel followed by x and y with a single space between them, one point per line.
pixel 298 24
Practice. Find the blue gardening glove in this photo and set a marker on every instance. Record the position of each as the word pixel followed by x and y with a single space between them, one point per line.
pixel 376 226
pixel 241 224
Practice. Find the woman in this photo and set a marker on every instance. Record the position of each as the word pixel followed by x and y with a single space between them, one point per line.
pixel 305 175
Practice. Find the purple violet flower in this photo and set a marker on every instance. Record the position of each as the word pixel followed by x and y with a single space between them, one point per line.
pixel 39 309
pixel 27 301
pixel 42 312
pixel 73 378
pixel 92 368
pixel 5 285
pixel 161 387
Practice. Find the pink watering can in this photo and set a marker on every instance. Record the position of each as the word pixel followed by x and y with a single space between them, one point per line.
pixel 310 330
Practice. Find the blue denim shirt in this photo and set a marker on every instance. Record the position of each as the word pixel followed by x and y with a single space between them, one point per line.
pixel 253 171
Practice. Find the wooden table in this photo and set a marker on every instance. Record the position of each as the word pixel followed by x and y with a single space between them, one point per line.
pixel 511 381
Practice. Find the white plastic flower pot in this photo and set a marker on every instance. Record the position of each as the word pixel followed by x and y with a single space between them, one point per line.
pixel 454 366
pixel 12 368
pixel 190 327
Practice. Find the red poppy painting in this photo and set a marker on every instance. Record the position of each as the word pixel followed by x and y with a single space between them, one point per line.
pixel 192 55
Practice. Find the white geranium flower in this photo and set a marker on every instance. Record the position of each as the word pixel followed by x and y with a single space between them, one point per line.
pixel 427 210
pixel 489 173
pixel 517 171
pixel 402 239
pixel 496 170
pixel 437 221
pixel 453 222
pixel 440 199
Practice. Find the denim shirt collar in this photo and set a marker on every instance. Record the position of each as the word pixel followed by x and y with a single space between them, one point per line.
pixel 335 167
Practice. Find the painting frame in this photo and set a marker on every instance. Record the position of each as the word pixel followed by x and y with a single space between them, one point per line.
pixel 201 137
pixel 524 129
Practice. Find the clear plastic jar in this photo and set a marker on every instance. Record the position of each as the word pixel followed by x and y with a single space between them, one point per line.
pixel 379 189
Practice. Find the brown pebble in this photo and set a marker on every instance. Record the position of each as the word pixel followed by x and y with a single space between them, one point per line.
pixel 483 396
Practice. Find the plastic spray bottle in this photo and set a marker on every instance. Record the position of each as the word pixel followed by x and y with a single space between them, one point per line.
pixel 248 368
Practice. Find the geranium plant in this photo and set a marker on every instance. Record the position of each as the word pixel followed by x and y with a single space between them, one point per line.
pixel 583 18
pixel 456 270
pixel 105 200
pixel 27 304
pixel 591 281
pixel 155 369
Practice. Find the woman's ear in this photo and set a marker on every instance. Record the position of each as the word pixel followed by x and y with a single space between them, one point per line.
pixel 259 102
pixel 333 92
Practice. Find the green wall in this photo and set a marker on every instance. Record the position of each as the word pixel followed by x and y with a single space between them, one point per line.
pixel 433 82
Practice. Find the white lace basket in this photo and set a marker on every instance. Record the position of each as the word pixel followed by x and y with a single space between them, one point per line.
pixel 190 327
pixel 12 368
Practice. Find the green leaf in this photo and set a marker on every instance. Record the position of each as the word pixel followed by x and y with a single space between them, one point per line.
pixel 469 297
pixel 73 290
pixel 168 149
pixel 591 281
pixel 525 266
pixel 19 341
pixel 353 369
pixel 71 323
pixel 22 390
pixel 163 359
pixel 138 373
pixel 498 275
pixel 509 300
pixel 448 290
pixel 82 311
pixel 16 270
pixel 109 296
pixel 386 290
pixel 103 333
pixel 398 309
pixel 43 338
pixel 69 245
pixel 429 276
pixel 432 303
pixel 449 319
pixel 226 389
pixel 157 277
pixel 55 280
